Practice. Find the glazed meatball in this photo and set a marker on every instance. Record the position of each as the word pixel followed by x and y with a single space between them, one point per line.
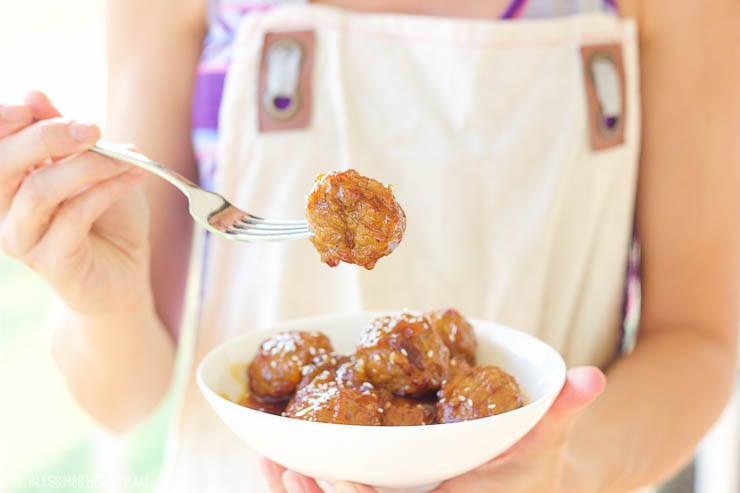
pixel 332 402
pixel 477 393
pixel 402 411
pixel 352 373
pixel 271 407
pixel 354 219
pixel 457 364
pixel 276 370
pixel 403 354
pixel 455 331
pixel 324 368
pixel 346 370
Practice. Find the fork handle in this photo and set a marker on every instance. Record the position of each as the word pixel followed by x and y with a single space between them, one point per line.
pixel 122 152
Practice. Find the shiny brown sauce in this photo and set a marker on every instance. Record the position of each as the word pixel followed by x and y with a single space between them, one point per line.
pixel 406 371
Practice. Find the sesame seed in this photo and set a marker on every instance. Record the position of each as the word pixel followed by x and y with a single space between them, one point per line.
pixel 452 337
pixel 273 364
pixel 376 357
pixel 381 410
pixel 312 350
pixel 461 398
pixel 491 406
pixel 470 402
pixel 466 389
pixel 387 405
pixel 306 410
pixel 430 353
pixel 322 350
pixel 333 361
pixel 453 362
pixel 283 413
pixel 442 400
pixel 404 352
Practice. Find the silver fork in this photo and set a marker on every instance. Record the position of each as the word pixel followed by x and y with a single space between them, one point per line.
pixel 210 209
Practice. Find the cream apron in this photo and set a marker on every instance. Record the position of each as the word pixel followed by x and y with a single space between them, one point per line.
pixel 483 129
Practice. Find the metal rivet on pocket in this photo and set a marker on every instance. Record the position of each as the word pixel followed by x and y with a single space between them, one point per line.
pixel 283 66
pixel 604 78
pixel 284 86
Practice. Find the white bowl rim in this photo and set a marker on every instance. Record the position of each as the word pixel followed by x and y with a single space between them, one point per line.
pixel 561 368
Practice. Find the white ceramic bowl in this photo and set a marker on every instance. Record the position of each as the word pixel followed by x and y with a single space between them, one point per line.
pixel 407 458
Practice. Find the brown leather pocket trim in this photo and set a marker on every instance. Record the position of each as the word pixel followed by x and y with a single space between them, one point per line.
pixel 296 114
pixel 604 131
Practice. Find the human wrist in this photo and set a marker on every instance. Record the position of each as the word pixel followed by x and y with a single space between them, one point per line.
pixel 92 338
pixel 126 319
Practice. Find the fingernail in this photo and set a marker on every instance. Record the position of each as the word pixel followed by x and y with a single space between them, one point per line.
pixel 84 132
pixel 13 114
pixel 293 483
pixel 344 488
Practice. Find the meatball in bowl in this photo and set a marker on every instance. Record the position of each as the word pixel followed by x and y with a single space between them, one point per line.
pixel 398 401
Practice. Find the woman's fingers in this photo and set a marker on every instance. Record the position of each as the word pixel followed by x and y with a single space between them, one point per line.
pixel 46 139
pixel 13 118
pixel 582 386
pixel 41 106
pixel 76 217
pixel 42 192
pixel 281 480
pixel 344 487
pixel 298 483
pixel 273 474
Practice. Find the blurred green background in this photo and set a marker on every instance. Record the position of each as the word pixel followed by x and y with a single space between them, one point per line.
pixel 52 438
pixel 46 441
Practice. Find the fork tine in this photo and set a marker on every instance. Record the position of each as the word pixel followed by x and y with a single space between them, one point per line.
pixel 270 227
pixel 252 219
pixel 262 232
pixel 252 237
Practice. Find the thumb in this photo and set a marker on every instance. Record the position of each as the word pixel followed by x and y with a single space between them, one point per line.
pixel 582 386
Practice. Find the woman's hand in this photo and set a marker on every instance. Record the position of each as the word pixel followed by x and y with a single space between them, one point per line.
pixel 69 214
pixel 537 463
